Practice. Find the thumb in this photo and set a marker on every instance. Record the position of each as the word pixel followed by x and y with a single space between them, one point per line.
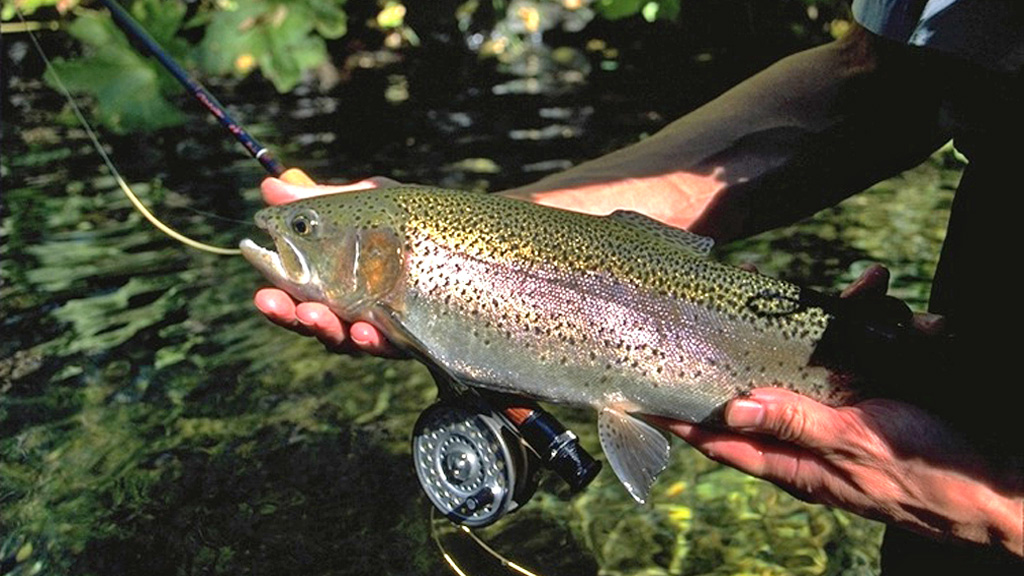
pixel 787 416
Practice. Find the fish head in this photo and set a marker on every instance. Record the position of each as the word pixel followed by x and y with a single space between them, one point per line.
pixel 339 250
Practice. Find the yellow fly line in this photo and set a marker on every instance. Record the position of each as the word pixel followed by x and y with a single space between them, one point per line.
pixel 137 203
pixel 132 197
pixel 505 562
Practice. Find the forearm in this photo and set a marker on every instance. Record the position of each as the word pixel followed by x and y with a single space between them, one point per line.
pixel 1002 523
pixel 965 508
pixel 794 138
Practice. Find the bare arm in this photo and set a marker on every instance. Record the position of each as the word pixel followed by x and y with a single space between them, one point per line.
pixel 799 136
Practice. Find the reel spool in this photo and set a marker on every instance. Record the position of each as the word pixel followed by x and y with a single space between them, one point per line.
pixel 471 464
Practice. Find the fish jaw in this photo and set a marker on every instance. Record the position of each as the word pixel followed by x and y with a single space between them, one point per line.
pixel 287 267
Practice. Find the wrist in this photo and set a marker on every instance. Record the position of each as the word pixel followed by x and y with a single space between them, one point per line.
pixel 971 511
pixel 1004 520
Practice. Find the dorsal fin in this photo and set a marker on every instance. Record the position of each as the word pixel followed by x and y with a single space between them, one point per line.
pixel 693 243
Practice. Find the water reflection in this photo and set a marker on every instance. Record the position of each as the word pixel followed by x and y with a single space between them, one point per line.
pixel 151 421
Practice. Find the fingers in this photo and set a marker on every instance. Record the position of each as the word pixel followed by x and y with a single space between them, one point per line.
pixel 788 417
pixel 296 176
pixel 315 319
pixel 792 468
pixel 323 323
pixel 308 319
pixel 779 436
pixel 382 182
pixel 312 318
pixel 872 282
pixel 930 324
pixel 277 306
pixel 277 191
pixel 875 282
pixel 369 339
pixel 776 414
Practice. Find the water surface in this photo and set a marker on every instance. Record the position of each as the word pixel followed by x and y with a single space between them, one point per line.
pixel 152 422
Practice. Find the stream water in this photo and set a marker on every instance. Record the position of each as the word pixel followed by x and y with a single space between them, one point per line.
pixel 152 422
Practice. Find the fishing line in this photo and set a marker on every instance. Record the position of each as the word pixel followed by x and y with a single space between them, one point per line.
pixel 132 197
pixel 215 216
pixel 505 562
pixel 137 203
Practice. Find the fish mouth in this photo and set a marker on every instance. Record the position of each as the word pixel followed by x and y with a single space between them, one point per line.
pixel 287 268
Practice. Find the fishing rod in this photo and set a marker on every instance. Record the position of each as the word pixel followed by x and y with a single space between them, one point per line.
pixel 133 29
pixel 555 447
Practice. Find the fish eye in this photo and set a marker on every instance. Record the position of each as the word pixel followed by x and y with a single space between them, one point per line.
pixel 304 222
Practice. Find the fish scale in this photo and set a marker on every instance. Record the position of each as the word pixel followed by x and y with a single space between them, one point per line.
pixel 621 313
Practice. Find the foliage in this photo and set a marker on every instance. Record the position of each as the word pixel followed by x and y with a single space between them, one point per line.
pixel 650 9
pixel 152 423
pixel 283 39
pixel 28 7
pixel 132 89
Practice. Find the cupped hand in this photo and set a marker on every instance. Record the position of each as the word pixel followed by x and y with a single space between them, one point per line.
pixel 881 459
pixel 314 318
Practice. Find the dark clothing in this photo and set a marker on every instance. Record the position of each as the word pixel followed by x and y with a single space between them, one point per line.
pixel 974 58
pixel 987 33
pixel 968 290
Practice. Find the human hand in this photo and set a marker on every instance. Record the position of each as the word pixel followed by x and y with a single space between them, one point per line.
pixel 314 318
pixel 881 459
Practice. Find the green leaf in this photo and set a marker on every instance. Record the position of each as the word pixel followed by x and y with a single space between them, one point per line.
pixel 651 10
pixel 96 30
pixel 232 33
pixel 162 20
pixel 328 17
pixel 27 7
pixel 127 87
pixel 285 63
pixel 278 37
pixel 616 9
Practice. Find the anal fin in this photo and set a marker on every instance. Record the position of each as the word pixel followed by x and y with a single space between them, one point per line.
pixel 637 451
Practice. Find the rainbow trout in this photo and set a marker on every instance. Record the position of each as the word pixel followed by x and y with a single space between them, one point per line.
pixel 621 313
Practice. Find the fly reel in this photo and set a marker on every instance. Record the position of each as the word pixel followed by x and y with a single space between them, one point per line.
pixel 477 463
pixel 472 465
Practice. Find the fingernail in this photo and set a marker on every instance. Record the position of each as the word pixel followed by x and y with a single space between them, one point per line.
pixel 361 335
pixel 744 413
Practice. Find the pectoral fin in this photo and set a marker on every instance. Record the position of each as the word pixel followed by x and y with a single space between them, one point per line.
pixel 636 450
